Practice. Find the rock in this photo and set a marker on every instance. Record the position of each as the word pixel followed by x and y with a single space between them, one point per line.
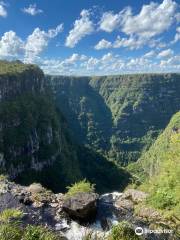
pixel 148 213
pixel 54 205
pixel 82 206
pixel 38 204
pixel 124 204
pixel 134 195
pixel 27 201
pixel 106 224
pixel 35 188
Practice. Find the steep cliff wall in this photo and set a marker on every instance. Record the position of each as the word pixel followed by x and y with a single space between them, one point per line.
pixel 120 116
pixel 33 133
pixel 85 110
pixel 35 139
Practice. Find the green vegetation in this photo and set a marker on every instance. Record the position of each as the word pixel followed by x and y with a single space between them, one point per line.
pixel 161 166
pixel 15 67
pixel 123 231
pixel 118 116
pixel 11 229
pixel 35 136
pixel 165 188
pixel 10 214
pixel 81 186
pixel 38 233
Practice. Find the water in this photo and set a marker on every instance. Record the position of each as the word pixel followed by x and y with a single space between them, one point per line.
pixel 107 216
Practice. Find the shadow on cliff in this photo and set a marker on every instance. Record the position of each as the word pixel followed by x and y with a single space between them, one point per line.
pixel 106 175
pixel 87 114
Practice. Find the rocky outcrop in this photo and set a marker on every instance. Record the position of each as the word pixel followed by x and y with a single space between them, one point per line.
pixel 129 198
pixel 81 206
pixel 50 213
pixel 135 195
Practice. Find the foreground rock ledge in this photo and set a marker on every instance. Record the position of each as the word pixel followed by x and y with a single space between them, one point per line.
pixel 82 206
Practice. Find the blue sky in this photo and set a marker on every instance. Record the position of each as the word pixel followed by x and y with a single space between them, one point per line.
pixel 94 37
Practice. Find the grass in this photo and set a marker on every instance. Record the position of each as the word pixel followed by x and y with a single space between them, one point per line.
pixel 11 228
pixel 81 186
pixel 14 67
pixel 9 214
pixel 123 231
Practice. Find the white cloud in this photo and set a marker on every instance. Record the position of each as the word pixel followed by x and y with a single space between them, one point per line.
pixel 74 58
pixel 152 20
pixel 32 10
pixel 166 53
pixel 109 21
pixel 82 27
pixel 103 44
pixel 12 46
pixel 131 43
pixel 171 64
pixel 177 36
pixel 149 54
pixel 38 41
pixel 109 64
pixel 3 12
pixel 177 16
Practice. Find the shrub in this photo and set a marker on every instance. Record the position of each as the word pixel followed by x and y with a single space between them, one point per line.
pixel 10 214
pixel 123 231
pixel 10 231
pixel 3 177
pixel 38 233
pixel 82 186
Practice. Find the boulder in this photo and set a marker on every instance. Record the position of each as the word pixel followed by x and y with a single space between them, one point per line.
pixel 81 206
pixel 135 195
pixel 124 204
pixel 35 188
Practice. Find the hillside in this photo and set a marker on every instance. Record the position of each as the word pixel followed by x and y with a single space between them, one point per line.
pixel 161 165
pixel 35 144
pixel 118 116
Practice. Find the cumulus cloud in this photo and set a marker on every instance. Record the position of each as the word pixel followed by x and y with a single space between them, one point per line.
pixel 3 12
pixel 82 27
pixel 149 54
pixel 109 21
pixel 38 40
pixel 109 64
pixel 131 43
pixel 152 20
pixel 32 10
pixel 177 36
pixel 12 46
pixel 103 44
pixel 166 53
pixel 171 64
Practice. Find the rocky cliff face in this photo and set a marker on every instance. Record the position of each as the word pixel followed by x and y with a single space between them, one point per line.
pixel 32 134
pixel 35 139
pixel 119 116
pixel 85 109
